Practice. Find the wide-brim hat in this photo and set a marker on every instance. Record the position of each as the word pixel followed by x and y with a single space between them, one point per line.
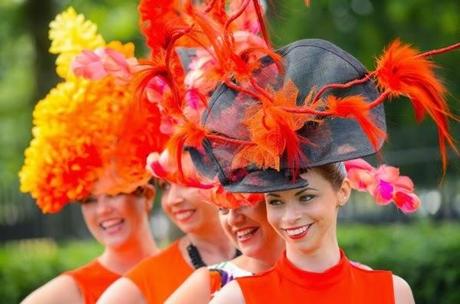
pixel 309 64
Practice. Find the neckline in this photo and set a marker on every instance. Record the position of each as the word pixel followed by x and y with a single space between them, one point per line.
pixel 195 256
pixel 314 279
pixel 102 267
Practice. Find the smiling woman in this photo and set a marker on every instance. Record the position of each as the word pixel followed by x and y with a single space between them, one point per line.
pixel 116 221
pixel 204 243
pixel 83 151
pixel 282 123
pixel 121 224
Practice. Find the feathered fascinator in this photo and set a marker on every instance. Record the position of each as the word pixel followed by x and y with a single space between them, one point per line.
pixel 190 53
pixel 85 138
pixel 273 114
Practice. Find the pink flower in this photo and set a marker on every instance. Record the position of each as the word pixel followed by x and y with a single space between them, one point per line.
pixel 383 192
pixel 89 65
pixel 156 89
pixel 406 201
pixel 97 64
pixel 384 184
pixel 157 164
pixel 360 174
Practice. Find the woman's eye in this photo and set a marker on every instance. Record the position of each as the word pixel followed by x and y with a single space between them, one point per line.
pixel 164 186
pixel 275 202
pixel 89 200
pixel 138 192
pixel 307 197
pixel 224 210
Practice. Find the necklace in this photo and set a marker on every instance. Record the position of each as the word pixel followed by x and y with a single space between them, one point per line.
pixel 195 256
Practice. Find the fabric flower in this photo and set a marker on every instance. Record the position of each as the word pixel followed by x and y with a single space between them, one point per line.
pixel 384 184
pixel 89 137
pixel 70 34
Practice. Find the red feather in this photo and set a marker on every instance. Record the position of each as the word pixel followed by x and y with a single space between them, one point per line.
pixel 159 18
pixel 402 70
pixel 356 107
pixel 187 134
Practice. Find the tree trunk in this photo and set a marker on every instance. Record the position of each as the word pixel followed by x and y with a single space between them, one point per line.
pixel 38 14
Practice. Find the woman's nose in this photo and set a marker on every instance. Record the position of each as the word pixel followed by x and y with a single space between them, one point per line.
pixel 104 205
pixel 174 195
pixel 235 216
pixel 291 215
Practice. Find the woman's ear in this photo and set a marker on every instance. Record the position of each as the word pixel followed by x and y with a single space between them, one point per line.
pixel 149 195
pixel 344 192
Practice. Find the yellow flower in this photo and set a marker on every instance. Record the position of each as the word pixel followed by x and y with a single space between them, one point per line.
pixel 70 34
pixel 83 142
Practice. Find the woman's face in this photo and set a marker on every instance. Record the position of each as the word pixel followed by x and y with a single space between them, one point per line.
pixel 187 208
pixel 306 218
pixel 116 221
pixel 250 231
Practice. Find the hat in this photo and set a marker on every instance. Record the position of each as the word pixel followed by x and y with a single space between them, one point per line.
pixel 307 65
pixel 312 105
pixel 275 114
pixel 86 138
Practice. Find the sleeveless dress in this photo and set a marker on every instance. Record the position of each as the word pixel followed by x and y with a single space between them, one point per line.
pixel 92 279
pixel 159 276
pixel 341 284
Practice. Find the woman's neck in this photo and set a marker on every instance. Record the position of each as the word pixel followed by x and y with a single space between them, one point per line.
pixel 318 260
pixel 213 248
pixel 254 265
pixel 122 259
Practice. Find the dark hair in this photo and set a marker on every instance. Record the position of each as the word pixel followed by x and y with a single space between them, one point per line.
pixel 335 173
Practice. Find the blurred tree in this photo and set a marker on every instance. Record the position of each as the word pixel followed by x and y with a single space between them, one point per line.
pixel 37 16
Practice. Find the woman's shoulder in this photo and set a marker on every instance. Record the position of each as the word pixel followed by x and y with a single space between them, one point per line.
pixel 62 289
pixel 402 291
pixel 230 293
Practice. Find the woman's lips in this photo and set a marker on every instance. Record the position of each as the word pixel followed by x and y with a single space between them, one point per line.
pixel 183 215
pixel 245 234
pixel 297 232
pixel 112 225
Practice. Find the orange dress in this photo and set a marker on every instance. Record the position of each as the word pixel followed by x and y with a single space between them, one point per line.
pixel 92 280
pixel 159 276
pixel 343 283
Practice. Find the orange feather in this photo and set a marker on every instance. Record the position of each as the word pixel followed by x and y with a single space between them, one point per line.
pixel 273 131
pixel 188 134
pixel 402 70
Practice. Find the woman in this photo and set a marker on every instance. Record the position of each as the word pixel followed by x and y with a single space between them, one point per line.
pixel 204 243
pixel 249 230
pixel 300 171
pixel 247 227
pixel 281 125
pixel 313 266
pixel 121 224
pixel 83 151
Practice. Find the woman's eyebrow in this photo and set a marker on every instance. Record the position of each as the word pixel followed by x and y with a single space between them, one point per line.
pixel 273 194
pixel 305 189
